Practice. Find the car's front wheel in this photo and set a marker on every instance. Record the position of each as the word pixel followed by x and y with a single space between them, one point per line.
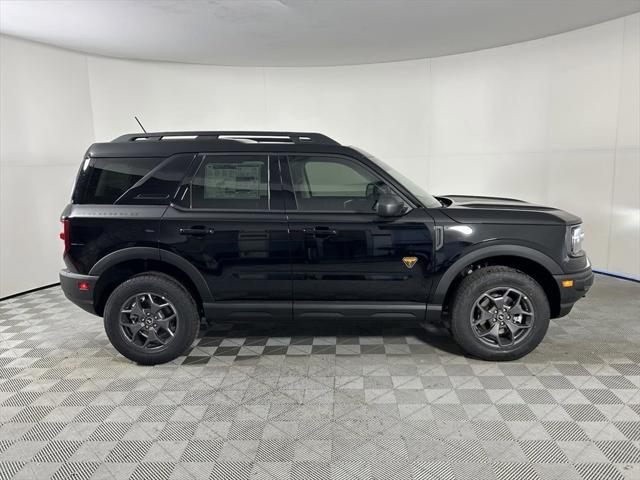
pixel 151 319
pixel 499 313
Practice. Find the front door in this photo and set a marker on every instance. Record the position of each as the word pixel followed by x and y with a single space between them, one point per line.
pixel 229 222
pixel 347 260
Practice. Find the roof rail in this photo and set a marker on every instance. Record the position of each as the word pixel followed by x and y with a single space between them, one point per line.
pixel 239 136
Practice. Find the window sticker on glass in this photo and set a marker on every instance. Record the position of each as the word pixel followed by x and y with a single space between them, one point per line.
pixel 232 180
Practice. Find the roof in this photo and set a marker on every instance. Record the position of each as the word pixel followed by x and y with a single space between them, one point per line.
pixel 239 136
pixel 153 144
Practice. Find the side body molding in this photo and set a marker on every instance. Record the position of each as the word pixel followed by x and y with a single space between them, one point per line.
pixel 150 253
pixel 528 253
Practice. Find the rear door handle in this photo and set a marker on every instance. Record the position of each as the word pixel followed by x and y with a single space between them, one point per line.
pixel 197 231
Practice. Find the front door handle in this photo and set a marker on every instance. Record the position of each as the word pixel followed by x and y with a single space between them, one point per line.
pixel 197 231
pixel 322 232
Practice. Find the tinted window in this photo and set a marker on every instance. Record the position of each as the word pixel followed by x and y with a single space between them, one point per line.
pixel 160 184
pixel 427 199
pixel 109 178
pixel 334 184
pixel 232 182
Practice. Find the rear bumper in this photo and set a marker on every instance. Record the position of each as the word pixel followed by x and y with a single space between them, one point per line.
pixel 582 282
pixel 69 282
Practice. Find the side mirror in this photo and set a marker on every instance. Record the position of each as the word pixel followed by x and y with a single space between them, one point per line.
pixel 389 205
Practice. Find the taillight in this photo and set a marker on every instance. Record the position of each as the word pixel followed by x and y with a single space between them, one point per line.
pixel 64 235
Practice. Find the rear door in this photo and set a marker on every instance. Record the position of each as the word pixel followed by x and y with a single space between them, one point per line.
pixel 347 260
pixel 229 222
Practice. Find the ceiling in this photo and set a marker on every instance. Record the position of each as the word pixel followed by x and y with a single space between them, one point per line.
pixel 296 32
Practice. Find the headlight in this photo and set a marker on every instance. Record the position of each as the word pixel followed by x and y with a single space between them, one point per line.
pixel 576 237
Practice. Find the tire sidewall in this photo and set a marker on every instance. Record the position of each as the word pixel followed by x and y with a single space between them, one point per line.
pixel 187 325
pixel 470 290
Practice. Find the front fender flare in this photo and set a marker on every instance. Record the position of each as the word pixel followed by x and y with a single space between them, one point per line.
pixel 527 253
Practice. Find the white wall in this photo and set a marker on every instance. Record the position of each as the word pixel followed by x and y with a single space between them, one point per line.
pixel 45 128
pixel 554 120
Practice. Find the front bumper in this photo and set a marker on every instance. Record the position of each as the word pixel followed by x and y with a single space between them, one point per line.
pixel 70 284
pixel 569 295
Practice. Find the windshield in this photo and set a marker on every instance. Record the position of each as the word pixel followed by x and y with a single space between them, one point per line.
pixel 428 200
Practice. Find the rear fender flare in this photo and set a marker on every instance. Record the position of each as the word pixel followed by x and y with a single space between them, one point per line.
pixel 150 253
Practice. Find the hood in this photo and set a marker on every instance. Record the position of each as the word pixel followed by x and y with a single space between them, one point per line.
pixel 472 209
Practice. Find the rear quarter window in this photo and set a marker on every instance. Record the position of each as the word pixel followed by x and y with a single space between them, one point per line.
pixel 107 179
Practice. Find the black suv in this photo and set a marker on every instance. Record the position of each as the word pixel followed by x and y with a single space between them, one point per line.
pixel 166 228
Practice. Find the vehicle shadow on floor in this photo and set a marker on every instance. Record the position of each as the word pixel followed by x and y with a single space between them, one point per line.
pixel 345 331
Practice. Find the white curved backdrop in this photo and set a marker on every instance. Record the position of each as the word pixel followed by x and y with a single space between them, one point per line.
pixel 555 120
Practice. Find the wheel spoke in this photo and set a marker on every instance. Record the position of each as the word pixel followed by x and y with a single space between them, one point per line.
pixel 485 311
pixel 479 321
pixel 512 333
pixel 137 308
pixel 520 326
pixel 500 302
pixel 144 319
pixel 166 329
pixel 152 337
pixel 134 328
pixel 491 300
pixel 493 331
pixel 508 306
pixel 164 322
pixel 156 307
pixel 512 295
pixel 484 315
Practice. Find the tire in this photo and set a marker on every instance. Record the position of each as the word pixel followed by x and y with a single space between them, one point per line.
pixel 489 339
pixel 155 344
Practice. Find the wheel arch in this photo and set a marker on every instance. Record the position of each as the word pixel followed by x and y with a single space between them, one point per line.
pixel 118 266
pixel 532 262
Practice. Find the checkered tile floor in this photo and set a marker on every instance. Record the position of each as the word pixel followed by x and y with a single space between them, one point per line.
pixel 313 401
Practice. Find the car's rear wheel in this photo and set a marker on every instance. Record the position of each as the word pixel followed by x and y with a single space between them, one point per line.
pixel 499 313
pixel 151 319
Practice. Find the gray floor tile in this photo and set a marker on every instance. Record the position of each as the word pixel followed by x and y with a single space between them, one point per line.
pixel 340 400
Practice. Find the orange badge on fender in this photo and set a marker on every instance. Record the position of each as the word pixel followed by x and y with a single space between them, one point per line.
pixel 409 262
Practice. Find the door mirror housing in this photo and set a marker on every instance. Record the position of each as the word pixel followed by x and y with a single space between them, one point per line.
pixel 389 206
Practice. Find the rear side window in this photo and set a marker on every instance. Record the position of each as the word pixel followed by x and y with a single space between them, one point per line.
pixel 109 178
pixel 237 182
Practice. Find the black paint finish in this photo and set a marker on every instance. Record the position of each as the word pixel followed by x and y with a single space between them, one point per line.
pixel 358 257
pixel 303 264
pixel 245 256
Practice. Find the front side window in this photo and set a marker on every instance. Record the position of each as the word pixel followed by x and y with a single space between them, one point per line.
pixel 416 190
pixel 324 183
pixel 238 182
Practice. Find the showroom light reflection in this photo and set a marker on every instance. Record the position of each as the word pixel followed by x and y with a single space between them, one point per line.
pixel 464 229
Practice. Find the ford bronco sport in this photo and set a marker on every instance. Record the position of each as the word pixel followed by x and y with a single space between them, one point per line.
pixel 166 228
